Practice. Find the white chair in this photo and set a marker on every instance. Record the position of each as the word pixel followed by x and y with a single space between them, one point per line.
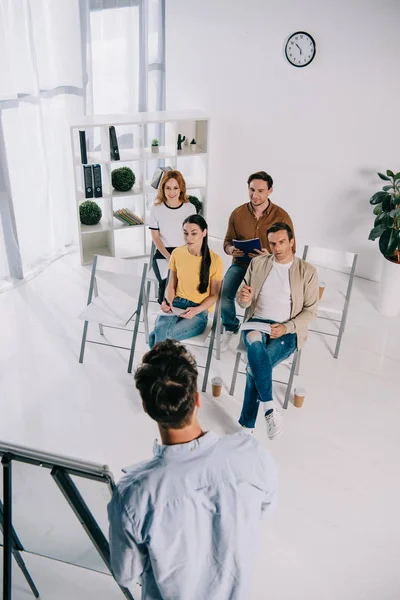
pixel 294 369
pixel 207 339
pixel 116 309
pixel 336 269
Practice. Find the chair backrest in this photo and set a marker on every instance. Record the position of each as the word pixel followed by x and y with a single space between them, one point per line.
pixel 120 266
pixel 112 283
pixel 336 260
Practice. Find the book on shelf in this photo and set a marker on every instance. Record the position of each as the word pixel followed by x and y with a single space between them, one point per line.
pixel 128 217
pixel 82 142
pixel 88 181
pixel 97 185
pixel 114 150
pixel 158 175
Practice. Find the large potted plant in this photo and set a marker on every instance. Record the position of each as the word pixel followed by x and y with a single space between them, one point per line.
pixel 387 228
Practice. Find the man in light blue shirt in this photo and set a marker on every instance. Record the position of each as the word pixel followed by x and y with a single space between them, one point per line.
pixel 185 523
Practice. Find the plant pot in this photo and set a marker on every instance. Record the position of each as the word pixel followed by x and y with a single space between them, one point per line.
pixel 389 289
pixel 193 147
pixel 154 149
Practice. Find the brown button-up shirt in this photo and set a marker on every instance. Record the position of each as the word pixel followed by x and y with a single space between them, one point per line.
pixel 244 225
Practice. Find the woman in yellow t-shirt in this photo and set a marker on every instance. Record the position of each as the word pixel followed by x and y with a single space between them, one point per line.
pixel 195 279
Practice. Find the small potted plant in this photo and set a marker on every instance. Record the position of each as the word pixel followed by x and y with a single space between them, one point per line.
pixel 154 146
pixel 193 145
pixel 386 205
pixel 196 203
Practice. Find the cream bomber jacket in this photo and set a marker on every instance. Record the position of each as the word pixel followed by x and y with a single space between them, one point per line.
pixel 303 287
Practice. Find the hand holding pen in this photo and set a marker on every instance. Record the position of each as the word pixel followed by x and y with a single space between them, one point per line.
pixel 246 292
pixel 166 306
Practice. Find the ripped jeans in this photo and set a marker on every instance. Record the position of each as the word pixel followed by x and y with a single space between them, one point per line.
pixel 262 357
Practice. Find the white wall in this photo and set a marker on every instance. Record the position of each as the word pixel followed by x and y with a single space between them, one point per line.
pixel 322 131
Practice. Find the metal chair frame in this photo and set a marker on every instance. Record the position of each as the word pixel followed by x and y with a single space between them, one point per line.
pixel 93 290
pixel 294 370
pixel 342 321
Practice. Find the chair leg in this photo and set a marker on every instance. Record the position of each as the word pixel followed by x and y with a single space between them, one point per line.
pixel 218 336
pixel 234 374
pixel 146 301
pixel 290 382
pixel 101 329
pixel 83 343
pixel 134 337
pixel 339 340
pixel 208 362
pixel 297 371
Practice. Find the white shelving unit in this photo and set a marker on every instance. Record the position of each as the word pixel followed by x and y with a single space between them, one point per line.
pixel 110 237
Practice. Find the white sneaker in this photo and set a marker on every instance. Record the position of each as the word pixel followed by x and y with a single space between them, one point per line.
pixel 226 339
pixel 273 422
pixel 247 430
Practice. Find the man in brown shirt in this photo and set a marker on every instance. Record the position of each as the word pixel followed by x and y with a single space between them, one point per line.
pixel 248 221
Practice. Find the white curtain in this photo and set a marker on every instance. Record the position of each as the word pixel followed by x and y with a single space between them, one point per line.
pixel 41 87
pixel 60 59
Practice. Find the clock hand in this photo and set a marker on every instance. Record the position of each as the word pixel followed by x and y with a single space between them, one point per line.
pixel 301 52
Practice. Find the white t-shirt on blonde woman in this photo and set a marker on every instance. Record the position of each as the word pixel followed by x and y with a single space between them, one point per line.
pixel 169 221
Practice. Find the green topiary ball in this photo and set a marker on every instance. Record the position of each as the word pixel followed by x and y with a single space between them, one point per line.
pixel 196 203
pixel 123 179
pixel 89 212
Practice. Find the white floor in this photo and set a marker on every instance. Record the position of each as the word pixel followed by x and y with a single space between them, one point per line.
pixel 336 531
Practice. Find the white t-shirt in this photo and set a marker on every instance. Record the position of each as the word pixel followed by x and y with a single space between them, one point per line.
pixel 169 222
pixel 274 301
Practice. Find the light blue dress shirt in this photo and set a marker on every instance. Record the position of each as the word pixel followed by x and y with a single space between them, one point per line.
pixel 185 522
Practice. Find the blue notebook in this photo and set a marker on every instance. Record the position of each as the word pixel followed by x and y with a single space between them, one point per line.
pixel 247 246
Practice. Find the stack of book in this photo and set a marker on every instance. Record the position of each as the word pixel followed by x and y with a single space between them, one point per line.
pixel 127 217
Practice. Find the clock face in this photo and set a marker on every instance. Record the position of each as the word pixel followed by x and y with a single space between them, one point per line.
pixel 300 49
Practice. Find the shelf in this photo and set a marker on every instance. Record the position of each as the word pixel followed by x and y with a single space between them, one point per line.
pixel 88 253
pixel 184 153
pixel 93 158
pixel 135 191
pixel 108 237
pixel 81 196
pixel 80 122
pixel 120 225
pixel 126 156
pixel 135 155
pixel 103 225
pixel 163 152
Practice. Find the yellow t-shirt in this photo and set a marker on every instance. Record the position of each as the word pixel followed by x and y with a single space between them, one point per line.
pixel 187 268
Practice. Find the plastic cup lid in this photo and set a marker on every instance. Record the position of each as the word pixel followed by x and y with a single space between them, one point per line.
pixel 217 380
pixel 299 391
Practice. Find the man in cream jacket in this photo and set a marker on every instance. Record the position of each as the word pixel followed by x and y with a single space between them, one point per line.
pixel 281 291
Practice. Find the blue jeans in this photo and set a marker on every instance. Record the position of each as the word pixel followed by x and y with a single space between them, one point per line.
pixel 232 280
pixel 176 328
pixel 262 357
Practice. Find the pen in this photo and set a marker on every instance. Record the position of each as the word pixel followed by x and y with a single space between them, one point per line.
pixel 245 282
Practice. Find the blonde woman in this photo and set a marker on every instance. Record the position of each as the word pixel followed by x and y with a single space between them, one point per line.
pixel 170 209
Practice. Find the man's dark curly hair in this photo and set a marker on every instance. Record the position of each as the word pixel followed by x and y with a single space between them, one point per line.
pixel 167 383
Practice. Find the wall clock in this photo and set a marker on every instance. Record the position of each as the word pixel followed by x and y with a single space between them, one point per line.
pixel 300 49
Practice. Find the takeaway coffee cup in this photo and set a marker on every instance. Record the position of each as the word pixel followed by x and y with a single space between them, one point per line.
pixel 216 383
pixel 321 289
pixel 299 394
